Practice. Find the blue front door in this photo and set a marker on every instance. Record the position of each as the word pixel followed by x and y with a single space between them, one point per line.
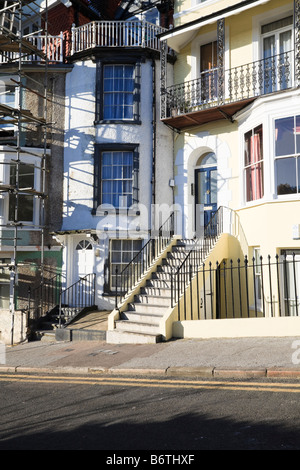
pixel 206 191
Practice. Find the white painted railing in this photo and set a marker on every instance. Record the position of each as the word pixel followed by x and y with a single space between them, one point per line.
pixel 115 34
pixel 94 34
pixel 52 45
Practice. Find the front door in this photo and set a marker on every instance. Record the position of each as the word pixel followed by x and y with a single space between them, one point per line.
pixel 206 191
pixel 84 258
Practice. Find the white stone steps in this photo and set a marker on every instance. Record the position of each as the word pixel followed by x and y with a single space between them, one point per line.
pixel 137 327
pixel 141 317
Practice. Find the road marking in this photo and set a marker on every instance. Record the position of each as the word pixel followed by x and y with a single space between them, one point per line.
pixel 154 383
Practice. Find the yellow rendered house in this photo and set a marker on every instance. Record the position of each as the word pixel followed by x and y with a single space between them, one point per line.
pixel 233 102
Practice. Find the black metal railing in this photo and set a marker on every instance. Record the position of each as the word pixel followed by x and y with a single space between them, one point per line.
pixel 218 86
pixel 244 289
pixel 184 274
pixel 76 297
pixel 129 277
pixel 45 297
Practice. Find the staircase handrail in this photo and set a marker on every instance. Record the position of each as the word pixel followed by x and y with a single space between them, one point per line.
pixel 78 297
pixel 130 276
pixel 196 255
pixel 53 282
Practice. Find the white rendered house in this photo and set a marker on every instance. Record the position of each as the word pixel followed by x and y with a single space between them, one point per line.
pixel 118 156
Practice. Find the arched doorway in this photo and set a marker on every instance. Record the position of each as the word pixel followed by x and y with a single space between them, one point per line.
pixel 206 197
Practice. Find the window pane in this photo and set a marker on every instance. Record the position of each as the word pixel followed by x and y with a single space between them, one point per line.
pixel 128 112
pixel 297 130
pixel 202 187
pixel 248 136
pixel 213 186
pixel 249 185
pixel 25 208
pixel 117 158
pixel 285 169
pixel 117 172
pixel 106 172
pixel 284 137
pixel 257 144
pixel 285 41
pixel 106 158
pixel 108 71
pixel 298 172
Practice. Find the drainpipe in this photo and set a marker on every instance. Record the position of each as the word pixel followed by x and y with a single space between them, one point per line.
pixel 154 132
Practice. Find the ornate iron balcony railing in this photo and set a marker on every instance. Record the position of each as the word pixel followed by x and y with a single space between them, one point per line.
pixel 218 86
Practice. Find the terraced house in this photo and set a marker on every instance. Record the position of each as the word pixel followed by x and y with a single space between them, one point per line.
pixel 233 104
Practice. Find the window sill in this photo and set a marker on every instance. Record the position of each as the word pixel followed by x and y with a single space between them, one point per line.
pixel 127 122
pixel 271 200
pixel 117 210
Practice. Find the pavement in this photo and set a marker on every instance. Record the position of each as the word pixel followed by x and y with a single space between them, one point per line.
pixel 238 358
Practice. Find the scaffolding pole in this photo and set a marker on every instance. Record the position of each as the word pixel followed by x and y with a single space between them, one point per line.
pixel 11 40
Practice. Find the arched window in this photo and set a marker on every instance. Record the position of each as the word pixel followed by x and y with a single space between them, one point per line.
pixel 84 245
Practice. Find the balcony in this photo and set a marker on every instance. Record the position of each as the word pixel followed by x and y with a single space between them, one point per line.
pixel 129 34
pixel 31 49
pixel 218 94
pixel 105 34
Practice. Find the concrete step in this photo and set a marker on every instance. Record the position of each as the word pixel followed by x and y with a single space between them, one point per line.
pixel 156 291
pixel 45 335
pixel 141 317
pixel 166 269
pixel 144 299
pixel 128 337
pixel 162 276
pixel 157 283
pixel 147 308
pixel 137 327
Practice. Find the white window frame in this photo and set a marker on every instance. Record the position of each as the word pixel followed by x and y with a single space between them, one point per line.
pixel 113 264
pixel 5 159
pixel 258 200
pixel 276 33
pixel 295 155
pixel 265 18
pixel 5 81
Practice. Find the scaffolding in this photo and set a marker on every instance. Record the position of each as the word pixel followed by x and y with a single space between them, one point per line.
pixel 17 49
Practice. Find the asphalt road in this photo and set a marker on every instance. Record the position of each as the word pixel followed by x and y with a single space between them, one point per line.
pixel 158 415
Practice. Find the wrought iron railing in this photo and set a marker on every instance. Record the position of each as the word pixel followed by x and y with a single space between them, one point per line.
pixel 129 277
pixel 244 289
pixel 216 87
pixel 76 297
pixel 116 34
pixel 182 277
pixel 45 297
